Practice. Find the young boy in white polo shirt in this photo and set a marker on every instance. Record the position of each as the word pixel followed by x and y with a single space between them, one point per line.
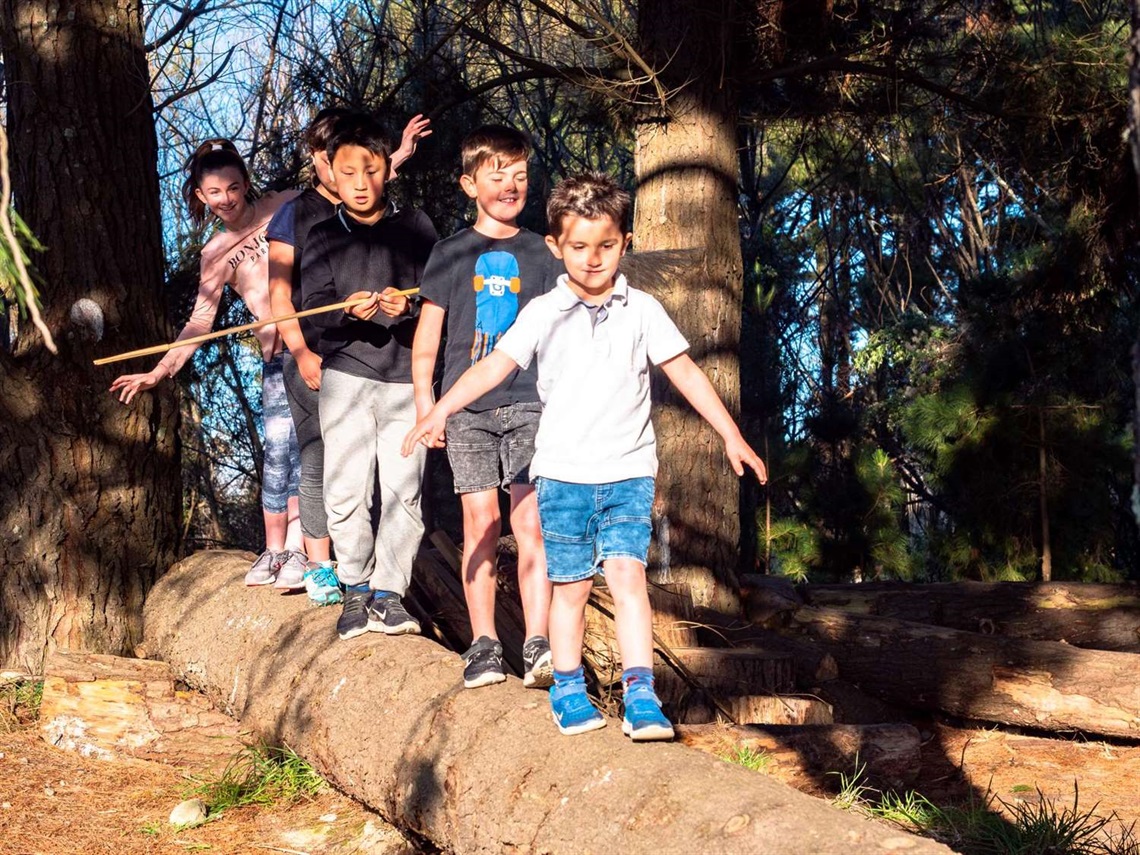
pixel 595 456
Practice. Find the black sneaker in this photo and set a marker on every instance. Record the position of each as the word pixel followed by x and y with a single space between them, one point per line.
pixel 484 665
pixel 353 620
pixel 387 614
pixel 538 664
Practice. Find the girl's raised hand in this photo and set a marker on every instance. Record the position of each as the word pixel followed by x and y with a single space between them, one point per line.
pixel 416 130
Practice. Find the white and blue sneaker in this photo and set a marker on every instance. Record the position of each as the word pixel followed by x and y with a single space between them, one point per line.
pixel 644 721
pixel 321 584
pixel 572 709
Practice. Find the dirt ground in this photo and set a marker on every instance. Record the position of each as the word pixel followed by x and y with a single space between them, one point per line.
pixel 56 802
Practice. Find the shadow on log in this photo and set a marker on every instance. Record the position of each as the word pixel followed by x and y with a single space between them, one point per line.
pixel 387 721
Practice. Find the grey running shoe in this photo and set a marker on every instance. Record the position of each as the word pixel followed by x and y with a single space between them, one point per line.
pixel 291 573
pixel 353 620
pixel 386 614
pixel 538 664
pixel 484 665
pixel 264 570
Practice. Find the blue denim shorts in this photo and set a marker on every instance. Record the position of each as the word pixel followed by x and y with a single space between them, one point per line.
pixel 585 524
pixel 492 448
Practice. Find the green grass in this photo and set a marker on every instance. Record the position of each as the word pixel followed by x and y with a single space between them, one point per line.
pixel 749 758
pixel 1033 827
pixel 20 704
pixel 853 792
pixel 259 775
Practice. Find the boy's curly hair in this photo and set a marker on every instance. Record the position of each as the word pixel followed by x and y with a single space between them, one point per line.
pixel 592 195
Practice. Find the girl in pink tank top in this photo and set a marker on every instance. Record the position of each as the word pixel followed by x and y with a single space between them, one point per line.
pixel 217 183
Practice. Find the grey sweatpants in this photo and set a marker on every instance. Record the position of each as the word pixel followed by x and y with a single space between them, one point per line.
pixel 363 423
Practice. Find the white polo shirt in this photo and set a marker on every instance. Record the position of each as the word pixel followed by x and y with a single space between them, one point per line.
pixel 593 380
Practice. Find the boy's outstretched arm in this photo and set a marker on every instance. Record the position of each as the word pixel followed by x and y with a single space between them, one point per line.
pixel 476 381
pixel 425 349
pixel 691 382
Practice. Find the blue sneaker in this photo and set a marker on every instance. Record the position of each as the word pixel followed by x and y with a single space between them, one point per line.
pixel 644 721
pixel 321 584
pixel 572 710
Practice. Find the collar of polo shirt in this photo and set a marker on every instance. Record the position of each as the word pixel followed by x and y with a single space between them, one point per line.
pixel 567 299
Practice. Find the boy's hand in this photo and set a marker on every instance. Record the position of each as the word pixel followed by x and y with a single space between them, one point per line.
pixel 393 306
pixel 364 311
pixel 740 454
pixel 309 364
pixel 428 430
pixel 424 405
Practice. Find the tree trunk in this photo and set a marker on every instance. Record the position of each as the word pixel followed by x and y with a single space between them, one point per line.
pixel 1102 617
pixel 89 489
pixel 687 178
pixel 386 720
pixel 1134 140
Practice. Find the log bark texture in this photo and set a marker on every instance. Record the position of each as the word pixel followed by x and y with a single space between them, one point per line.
pixel 1039 684
pixel 387 720
pixel 1102 617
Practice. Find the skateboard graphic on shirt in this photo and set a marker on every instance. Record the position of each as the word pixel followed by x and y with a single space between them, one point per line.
pixel 497 284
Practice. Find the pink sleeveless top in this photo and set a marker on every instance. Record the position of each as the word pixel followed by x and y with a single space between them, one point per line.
pixel 240 259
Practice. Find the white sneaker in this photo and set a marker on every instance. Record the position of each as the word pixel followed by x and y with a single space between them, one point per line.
pixel 291 572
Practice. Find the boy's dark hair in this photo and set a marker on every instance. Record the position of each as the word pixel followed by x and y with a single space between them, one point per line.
pixel 361 130
pixel 493 144
pixel 591 195
pixel 209 156
pixel 324 126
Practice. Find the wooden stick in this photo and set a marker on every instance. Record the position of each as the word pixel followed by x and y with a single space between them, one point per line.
pixel 198 339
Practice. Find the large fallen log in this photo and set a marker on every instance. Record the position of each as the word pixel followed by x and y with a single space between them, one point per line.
pixel 1103 617
pixel 386 720
pixel 1038 684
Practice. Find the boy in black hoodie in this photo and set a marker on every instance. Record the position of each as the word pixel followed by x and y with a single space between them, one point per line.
pixel 368 251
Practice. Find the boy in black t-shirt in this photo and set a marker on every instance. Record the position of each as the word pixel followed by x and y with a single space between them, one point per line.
pixel 287 233
pixel 366 397
pixel 477 281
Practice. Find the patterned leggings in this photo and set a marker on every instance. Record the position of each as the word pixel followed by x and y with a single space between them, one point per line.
pixel 281 475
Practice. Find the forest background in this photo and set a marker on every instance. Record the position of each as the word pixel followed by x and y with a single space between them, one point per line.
pixel 901 236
